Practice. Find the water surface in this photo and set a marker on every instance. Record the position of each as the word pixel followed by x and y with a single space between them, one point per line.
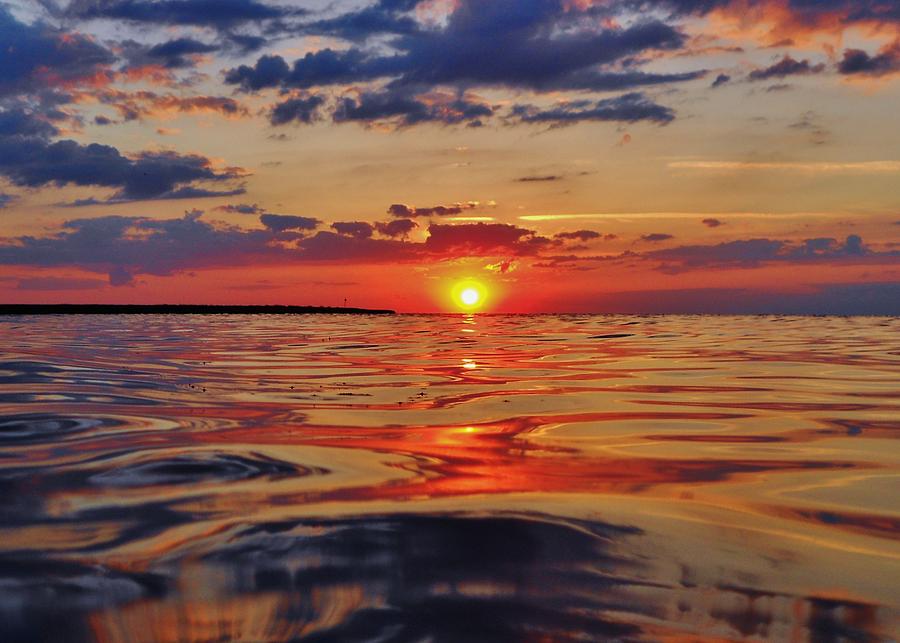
pixel 448 478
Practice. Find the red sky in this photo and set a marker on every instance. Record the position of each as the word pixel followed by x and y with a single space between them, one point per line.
pixel 724 156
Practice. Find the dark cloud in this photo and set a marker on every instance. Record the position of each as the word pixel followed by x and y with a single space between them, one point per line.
pixel 269 71
pixel 481 239
pixel 524 44
pixel 147 104
pixel 712 223
pixel 180 53
pixel 793 13
pixel 316 69
pixel 282 222
pixel 397 228
pixel 787 66
pixel 537 45
pixel 858 62
pixel 539 179
pixel 383 17
pixel 656 236
pixel 543 48
pixel 823 299
pixel 405 110
pixel 401 210
pixel 356 229
pixel 300 109
pixel 59 283
pixel 580 235
pixel 122 246
pixel 6 199
pixel 747 252
pixel 753 252
pixel 721 79
pixel 29 159
pixel 627 108
pixel 219 14
pixel 240 208
pixel 35 56
pixel 17 123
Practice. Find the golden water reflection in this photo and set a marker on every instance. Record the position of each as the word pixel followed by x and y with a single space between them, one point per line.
pixel 448 478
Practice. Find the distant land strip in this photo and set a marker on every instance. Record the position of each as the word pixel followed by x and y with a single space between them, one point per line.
pixel 180 309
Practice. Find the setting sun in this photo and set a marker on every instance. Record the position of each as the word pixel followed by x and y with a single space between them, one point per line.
pixel 468 295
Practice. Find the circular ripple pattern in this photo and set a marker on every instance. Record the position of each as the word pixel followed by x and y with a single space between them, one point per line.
pixel 186 469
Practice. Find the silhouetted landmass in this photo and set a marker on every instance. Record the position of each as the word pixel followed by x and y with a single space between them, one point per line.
pixel 179 309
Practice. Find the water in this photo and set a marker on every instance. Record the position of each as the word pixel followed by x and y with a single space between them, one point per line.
pixel 448 478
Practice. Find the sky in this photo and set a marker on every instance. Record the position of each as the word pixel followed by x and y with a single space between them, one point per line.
pixel 651 156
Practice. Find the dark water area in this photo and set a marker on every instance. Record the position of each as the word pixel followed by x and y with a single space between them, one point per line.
pixel 449 478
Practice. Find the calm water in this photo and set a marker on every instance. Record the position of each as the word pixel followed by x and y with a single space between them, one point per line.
pixel 449 478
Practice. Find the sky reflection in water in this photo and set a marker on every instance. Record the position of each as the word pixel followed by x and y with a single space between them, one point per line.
pixel 447 478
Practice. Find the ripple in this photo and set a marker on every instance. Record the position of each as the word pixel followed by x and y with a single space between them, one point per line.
pixel 199 467
pixel 40 599
pixel 503 478
pixel 26 428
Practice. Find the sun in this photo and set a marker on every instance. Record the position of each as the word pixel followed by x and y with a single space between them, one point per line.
pixel 468 295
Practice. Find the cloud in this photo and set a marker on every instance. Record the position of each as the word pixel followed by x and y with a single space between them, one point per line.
pixel 29 159
pixel 219 14
pixel 124 246
pixel 787 66
pixel 6 199
pixel 821 299
pixel 300 109
pixel 625 108
pixel 282 222
pixel 786 20
pixel 721 79
pixel 861 167
pixel 36 56
pixel 401 210
pixel 405 110
pixel 543 48
pixel 712 223
pixel 533 45
pixel 269 71
pixel 545 178
pixel 179 53
pixel 753 252
pixel 655 237
pixel 142 104
pixel 858 62
pixel 580 235
pixel 59 283
pixel 481 239
pixel 356 229
pixel 503 267
pixel 240 208
pixel 397 228
pixel 380 18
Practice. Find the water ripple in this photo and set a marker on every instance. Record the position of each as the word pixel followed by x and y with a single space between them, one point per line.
pixel 446 478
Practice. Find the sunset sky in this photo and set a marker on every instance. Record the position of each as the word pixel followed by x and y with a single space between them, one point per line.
pixel 568 155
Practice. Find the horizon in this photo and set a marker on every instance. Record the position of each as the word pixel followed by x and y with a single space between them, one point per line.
pixel 67 308
pixel 569 156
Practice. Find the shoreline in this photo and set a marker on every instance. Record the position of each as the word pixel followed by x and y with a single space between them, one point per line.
pixel 182 309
